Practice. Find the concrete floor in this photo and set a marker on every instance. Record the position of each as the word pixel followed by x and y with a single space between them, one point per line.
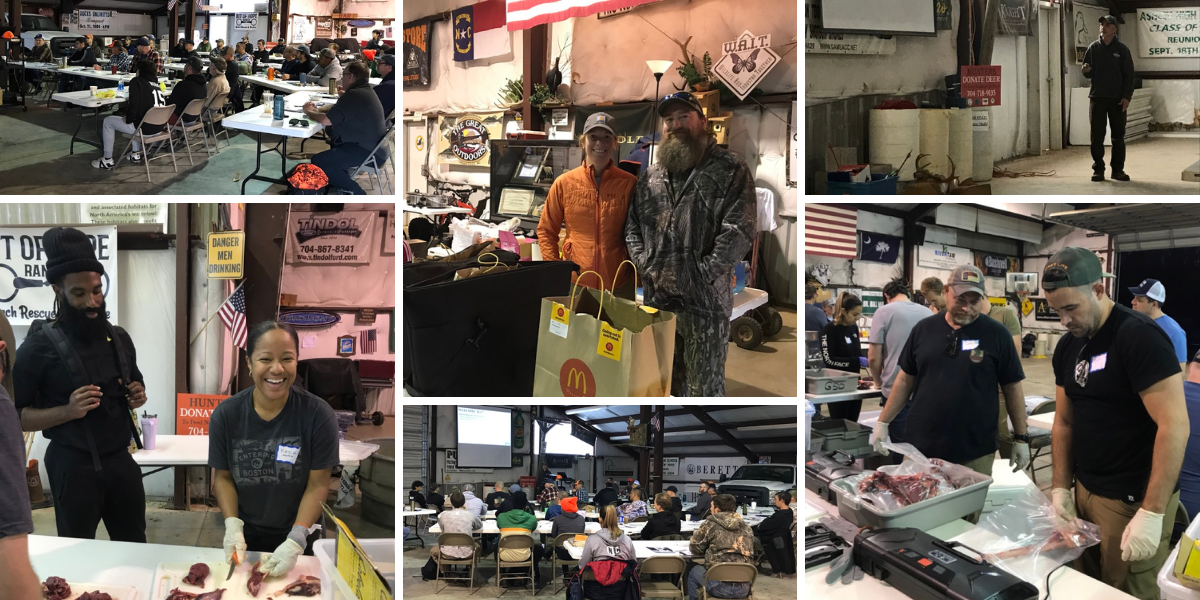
pixel 1154 164
pixel 36 160
pixel 768 370
pixel 766 587
pixel 203 527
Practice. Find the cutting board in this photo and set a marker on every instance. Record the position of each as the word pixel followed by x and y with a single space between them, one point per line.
pixel 117 592
pixel 169 576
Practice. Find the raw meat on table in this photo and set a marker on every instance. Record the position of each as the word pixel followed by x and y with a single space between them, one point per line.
pixel 96 595
pixel 307 585
pixel 254 584
pixel 176 594
pixel 907 489
pixel 56 588
pixel 197 574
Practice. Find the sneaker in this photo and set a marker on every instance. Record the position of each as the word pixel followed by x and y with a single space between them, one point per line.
pixel 103 163
pixel 1098 177
pixel 1120 176
pixel 135 158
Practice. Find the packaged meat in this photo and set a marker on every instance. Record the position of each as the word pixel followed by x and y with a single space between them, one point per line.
pixel 254 584
pixel 56 588
pixel 306 585
pixel 197 574
pixel 915 480
pixel 1026 538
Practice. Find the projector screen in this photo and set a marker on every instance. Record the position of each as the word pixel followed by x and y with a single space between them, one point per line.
pixel 484 437
pixel 904 17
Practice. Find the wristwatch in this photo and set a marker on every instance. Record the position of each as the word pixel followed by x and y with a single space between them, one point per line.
pixel 1021 437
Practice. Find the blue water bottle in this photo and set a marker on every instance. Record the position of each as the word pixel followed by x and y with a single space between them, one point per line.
pixel 120 86
pixel 277 110
pixel 621 520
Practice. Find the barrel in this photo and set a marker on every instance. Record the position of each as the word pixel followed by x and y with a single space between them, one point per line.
pixel 377 480
pixel 894 135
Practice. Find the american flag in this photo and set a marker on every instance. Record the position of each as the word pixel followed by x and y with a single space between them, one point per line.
pixel 171 5
pixel 523 14
pixel 233 315
pixel 831 230
pixel 656 423
pixel 367 339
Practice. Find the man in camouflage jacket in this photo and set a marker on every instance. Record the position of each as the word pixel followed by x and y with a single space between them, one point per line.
pixel 723 538
pixel 692 218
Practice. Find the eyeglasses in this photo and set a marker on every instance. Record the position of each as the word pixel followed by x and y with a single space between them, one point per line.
pixel 952 345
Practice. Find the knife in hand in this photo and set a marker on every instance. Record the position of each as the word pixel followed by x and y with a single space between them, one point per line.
pixel 232 565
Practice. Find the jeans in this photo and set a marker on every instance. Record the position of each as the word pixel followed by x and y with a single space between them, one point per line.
pixel 1107 112
pixel 337 162
pixel 113 124
pixel 716 589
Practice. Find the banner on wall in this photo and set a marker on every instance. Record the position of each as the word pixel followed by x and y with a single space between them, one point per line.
pixel 25 295
pixel 302 29
pixel 324 27
pixel 1016 18
pixel 877 247
pixel 245 21
pixel 465 139
pixel 417 54
pixel 703 469
pixel 96 20
pixel 1169 33
pixel 941 256
pixel 331 239
pixel 995 265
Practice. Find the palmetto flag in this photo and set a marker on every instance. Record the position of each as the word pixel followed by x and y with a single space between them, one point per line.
pixel 877 247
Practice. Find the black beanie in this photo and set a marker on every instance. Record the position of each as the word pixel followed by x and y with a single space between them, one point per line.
pixel 68 251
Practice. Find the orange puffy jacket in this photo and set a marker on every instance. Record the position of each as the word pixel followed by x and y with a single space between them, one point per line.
pixel 595 222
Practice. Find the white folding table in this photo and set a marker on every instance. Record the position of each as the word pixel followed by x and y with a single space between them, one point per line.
pixel 253 119
pixel 544 527
pixel 644 549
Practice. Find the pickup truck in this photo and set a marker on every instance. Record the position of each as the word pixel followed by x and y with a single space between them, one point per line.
pixel 759 483
pixel 61 42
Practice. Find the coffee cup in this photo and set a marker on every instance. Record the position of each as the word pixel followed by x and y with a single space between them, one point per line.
pixel 93 88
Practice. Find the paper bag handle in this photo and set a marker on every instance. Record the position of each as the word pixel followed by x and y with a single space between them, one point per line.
pixel 575 286
pixel 491 265
pixel 616 276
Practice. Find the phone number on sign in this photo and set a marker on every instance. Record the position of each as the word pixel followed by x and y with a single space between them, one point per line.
pixel 326 249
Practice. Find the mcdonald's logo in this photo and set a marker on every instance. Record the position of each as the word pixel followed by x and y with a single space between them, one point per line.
pixel 576 380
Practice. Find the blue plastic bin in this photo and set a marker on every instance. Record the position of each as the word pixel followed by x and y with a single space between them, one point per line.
pixel 882 186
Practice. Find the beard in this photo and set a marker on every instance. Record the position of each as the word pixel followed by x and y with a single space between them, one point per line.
pixel 680 151
pixel 79 322
pixel 963 318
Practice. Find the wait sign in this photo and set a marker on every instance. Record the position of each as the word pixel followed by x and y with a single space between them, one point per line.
pixel 226 255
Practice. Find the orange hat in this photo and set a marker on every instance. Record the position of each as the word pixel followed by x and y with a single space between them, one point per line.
pixel 570 504
pixel 8 35
pixel 370 54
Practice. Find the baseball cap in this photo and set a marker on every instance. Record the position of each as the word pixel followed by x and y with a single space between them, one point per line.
pixel 38 37
pixel 387 59
pixel 327 53
pixel 601 120
pixel 674 101
pixel 1152 289
pixel 514 488
pixel 1072 267
pixel 671 488
pixel 303 49
pixel 1111 20
pixel 966 278
pixel 142 42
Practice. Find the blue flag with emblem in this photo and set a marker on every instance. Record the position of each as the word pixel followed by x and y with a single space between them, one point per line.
pixel 480 31
pixel 877 247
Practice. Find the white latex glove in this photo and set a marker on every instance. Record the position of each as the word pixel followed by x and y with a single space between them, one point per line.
pixel 1020 456
pixel 235 541
pixel 283 560
pixel 879 437
pixel 1064 504
pixel 1141 537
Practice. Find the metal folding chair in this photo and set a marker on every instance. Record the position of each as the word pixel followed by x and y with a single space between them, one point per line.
pixel 371 166
pixel 159 115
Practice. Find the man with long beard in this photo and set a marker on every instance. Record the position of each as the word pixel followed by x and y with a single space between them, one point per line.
pixel 77 381
pixel 691 220
pixel 953 365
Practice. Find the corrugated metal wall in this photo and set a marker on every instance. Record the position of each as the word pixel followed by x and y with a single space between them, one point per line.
pixel 843 123
pixel 415 454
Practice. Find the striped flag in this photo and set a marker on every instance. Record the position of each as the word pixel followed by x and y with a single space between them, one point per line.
pixel 367 340
pixel 523 14
pixel 233 315
pixel 479 31
pixel 831 230
pixel 171 5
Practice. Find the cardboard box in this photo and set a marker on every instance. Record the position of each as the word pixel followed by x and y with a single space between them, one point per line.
pixel 1187 563
pixel 527 249
pixel 420 249
pixel 710 103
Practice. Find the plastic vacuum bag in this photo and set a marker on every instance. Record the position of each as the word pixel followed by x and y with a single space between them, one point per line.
pixel 1032 540
pixel 915 480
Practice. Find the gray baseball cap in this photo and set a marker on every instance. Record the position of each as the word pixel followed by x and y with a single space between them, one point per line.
pixel 966 278
pixel 601 120
pixel 327 53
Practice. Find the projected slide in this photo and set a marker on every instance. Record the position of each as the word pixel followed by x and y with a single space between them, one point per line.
pixel 484 437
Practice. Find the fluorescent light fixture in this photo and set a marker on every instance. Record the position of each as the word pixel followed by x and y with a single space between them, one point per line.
pixel 658 67
pixel 668 434
pixel 585 409
pixel 762 427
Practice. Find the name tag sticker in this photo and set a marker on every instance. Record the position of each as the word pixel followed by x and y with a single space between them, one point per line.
pixel 287 454
pixel 970 345
pixel 1098 362
pixel 848 340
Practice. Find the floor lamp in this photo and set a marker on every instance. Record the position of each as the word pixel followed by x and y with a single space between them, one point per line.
pixel 658 67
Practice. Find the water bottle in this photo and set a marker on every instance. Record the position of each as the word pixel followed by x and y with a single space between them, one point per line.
pixel 332 86
pixel 278 114
pixel 121 87
pixel 621 520
pixel 149 431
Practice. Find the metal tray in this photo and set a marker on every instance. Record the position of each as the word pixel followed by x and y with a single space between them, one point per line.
pixel 829 381
pixel 926 515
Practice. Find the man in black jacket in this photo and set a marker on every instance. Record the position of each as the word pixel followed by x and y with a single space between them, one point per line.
pixel 143 95
pixel 663 522
pixel 191 87
pixel 604 497
pixel 1109 64
pixel 676 503
pixel 262 54
pixel 177 51
pixel 703 501
pixel 358 126
pixel 279 47
pixel 81 57
pixel 776 536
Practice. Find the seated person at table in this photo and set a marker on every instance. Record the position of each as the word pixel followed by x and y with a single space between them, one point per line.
pixel 231 68
pixel 243 55
pixel 514 521
pixel 676 503
pixel 96 46
pixel 143 95
pixel 358 126
pixel 288 66
pixel 554 507
pixel 776 535
pixel 261 54
pixel 473 505
pixel 120 58
pixel 435 499
pixel 177 50
pixel 704 500
pixel 606 496
pixel 570 520
pixel 41 53
pixel 521 502
pixel 81 57
pixel 220 48
pixel 386 90
pixel 304 64
pixel 548 493
pixel 217 82
pixel 328 67
pixel 279 47
pixel 635 508
pixel 415 495
pixel 146 51
pixel 722 538
pixel 189 50
pixel 497 496
pixel 191 87
pixel 457 520
pixel 204 46
pixel 663 522
pixel 610 543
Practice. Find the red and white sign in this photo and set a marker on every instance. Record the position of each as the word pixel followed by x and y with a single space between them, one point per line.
pixel 523 14
pixel 981 85
pixel 527 481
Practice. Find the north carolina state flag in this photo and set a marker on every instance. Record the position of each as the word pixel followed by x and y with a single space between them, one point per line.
pixel 480 32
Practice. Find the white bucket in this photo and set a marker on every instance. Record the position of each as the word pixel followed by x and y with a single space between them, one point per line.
pixel 894 134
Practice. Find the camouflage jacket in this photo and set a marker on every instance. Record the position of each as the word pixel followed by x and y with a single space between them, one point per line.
pixel 685 242
pixel 723 538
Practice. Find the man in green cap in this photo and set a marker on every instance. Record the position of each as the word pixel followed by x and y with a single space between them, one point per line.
pixel 1120 425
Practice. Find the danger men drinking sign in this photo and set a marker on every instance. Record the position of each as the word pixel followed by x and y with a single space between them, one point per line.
pixel 981 85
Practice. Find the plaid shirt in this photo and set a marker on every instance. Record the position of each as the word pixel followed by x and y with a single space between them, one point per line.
pixel 123 62
pixel 154 56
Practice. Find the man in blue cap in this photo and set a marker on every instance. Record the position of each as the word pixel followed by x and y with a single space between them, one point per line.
pixel 1148 298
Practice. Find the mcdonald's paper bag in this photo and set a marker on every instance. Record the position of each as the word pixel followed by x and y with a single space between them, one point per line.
pixel 627 352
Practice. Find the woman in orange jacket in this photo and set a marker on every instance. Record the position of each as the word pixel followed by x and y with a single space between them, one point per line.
pixel 591 201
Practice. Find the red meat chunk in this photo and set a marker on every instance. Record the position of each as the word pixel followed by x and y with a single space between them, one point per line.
pixel 307 585
pixel 56 588
pixel 213 595
pixel 97 595
pixel 197 574
pixel 178 595
pixel 907 489
pixel 254 585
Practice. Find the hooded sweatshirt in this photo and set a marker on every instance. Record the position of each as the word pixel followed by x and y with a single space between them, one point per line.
pixel 513 521
pixel 601 546
pixel 143 95
pixel 474 505
pixel 661 523
pixel 567 522
pixel 192 87
pixel 723 538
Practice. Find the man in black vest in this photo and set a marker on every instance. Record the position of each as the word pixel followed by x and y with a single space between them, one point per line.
pixel 77 381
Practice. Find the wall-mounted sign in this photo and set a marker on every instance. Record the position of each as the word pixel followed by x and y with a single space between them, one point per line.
pixel 1167 33
pixel 245 21
pixel 324 27
pixel 345 345
pixel 981 85
pixel 941 256
pixel 417 53
pixel 226 255
pixel 329 239
pixel 361 23
pixel 1042 310
pixel 345 15
pixel 96 20
pixel 463 140
pixel 193 411
pixel 365 316
pixel 745 66
pixel 25 295
pixel 309 319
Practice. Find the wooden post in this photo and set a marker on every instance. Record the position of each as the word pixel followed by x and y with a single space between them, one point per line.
pixel 191 21
pixel 990 18
pixel 174 24
pixel 266 225
pixel 643 452
pixel 284 7
pixel 14 17
pixel 183 229
pixel 534 70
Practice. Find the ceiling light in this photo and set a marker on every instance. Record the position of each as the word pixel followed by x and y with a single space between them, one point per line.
pixel 585 409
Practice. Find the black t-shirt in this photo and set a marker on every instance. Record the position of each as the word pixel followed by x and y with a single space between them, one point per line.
pixel 418 497
pixel 435 501
pixel 495 499
pixel 955 403
pixel 41 381
pixel 841 347
pixel 659 524
pixel 1112 434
